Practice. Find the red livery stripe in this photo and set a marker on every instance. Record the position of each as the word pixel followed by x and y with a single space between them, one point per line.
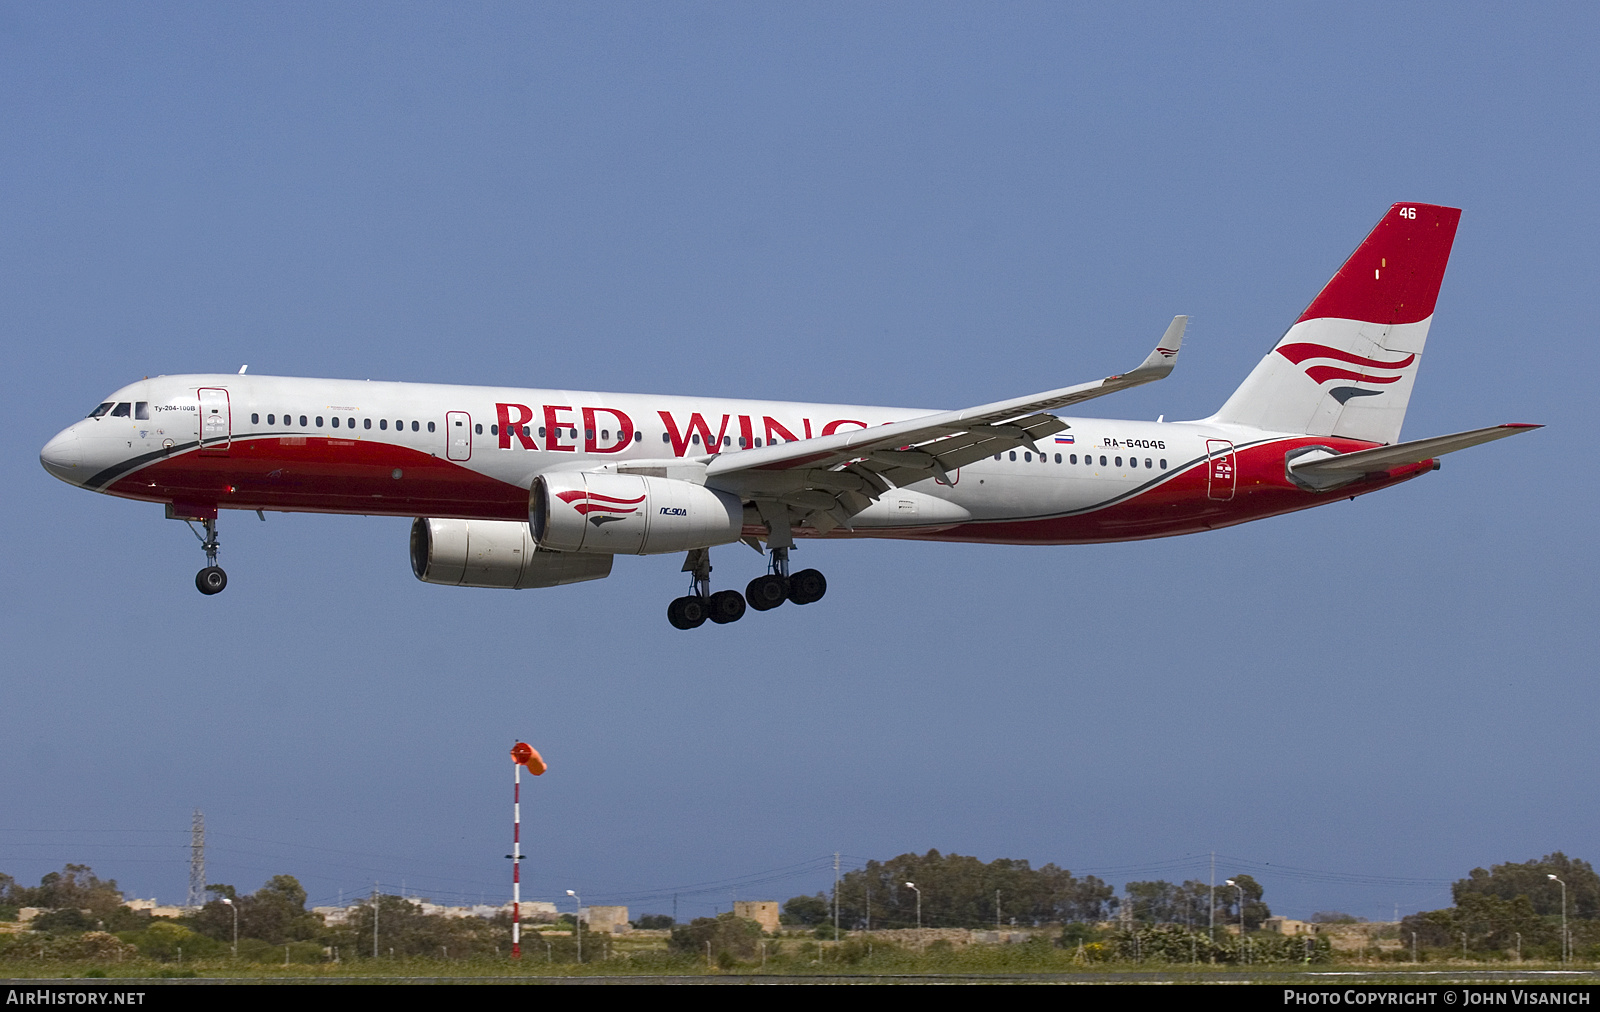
pixel 1298 353
pixel 1323 373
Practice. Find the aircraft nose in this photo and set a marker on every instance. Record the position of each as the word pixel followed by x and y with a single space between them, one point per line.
pixel 63 456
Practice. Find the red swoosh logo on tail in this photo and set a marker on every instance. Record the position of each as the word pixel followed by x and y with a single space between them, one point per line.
pixel 1298 353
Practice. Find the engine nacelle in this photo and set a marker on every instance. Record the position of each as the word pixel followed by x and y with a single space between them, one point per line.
pixel 630 514
pixel 494 553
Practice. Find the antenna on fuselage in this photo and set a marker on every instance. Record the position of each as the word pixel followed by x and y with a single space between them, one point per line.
pixel 242 368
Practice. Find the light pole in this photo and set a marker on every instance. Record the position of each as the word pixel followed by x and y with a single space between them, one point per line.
pixel 235 910
pixel 1241 915
pixel 1563 919
pixel 577 922
pixel 913 887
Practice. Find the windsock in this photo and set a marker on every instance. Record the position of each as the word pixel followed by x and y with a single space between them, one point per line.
pixel 524 754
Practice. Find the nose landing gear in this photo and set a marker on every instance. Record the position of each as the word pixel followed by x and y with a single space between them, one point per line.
pixel 210 580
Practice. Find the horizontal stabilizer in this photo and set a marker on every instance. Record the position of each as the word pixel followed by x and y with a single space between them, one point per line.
pixel 1330 471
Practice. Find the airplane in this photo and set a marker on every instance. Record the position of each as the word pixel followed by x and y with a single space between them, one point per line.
pixel 520 488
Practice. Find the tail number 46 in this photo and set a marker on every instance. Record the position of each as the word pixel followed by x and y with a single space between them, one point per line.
pixel 1409 212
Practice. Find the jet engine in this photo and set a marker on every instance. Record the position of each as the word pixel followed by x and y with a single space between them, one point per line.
pixel 630 514
pixel 494 553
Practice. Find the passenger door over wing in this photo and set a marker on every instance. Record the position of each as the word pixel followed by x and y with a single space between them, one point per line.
pixel 458 435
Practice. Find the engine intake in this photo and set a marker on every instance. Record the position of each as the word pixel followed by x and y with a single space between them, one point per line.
pixel 630 514
pixel 494 553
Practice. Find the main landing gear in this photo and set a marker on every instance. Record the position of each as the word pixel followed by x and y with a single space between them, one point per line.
pixel 210 580
pixel 763 593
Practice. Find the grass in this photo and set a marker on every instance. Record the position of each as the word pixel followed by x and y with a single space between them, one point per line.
pixel 793 959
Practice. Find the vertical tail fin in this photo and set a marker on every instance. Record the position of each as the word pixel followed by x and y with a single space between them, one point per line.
pixel 1347 365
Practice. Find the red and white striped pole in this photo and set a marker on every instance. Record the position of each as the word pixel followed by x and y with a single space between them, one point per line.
pixel 524 755
pixel 516 862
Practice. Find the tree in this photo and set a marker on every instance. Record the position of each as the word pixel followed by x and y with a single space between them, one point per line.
pixel 75 886
pixel 1255 911
pixel 807 910
pixel 1532 879
pixel 730 937
pixel 1153 902
pixel 275 913
pixel 960 891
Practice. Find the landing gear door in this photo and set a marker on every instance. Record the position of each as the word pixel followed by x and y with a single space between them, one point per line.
pixel 216 422
pixel 1220 469
pixel 458 435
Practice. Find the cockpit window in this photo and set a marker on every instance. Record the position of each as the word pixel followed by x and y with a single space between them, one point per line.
pixel 101 410
pixel 121 410
pixel 141 410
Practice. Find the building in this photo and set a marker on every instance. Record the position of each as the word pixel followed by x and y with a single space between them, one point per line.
pixel 763 912
pixel 154 909
pixel 610 920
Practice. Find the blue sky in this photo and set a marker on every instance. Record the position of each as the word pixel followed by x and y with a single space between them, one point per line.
pixel 920 204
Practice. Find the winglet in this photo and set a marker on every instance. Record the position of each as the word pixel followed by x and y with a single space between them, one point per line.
pixel 1162 360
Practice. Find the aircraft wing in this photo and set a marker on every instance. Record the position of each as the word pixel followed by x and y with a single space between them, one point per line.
pixel 831 478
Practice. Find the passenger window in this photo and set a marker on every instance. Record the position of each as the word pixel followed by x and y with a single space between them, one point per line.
pixel 666 438
pixel 638 437
pixel 494 430
pixel 255 419
pixel 1102 462
pixel 415 426
pixel 121 410
pixel 303 421
pixel 1027 458
pixel 383 423
pixel 430 426
pixel 1133 461
pixel 101 410
pixel 319 421
pixel 478 428
pixel 587 434
pixel 758 442
pixel 541 431
pixel 1072 459
pixel 1119 461
pixel 1013 454
pixel 350 422
pixel 997 456
pixel 605 434
pixel 271 419
pixel 141 410
pixel 527 432
pixel 727 440
pixel 695 439
pixel 1058 458
pixel 366 423
pixel 1163 465
pixel 335 421
pixel 1147 462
